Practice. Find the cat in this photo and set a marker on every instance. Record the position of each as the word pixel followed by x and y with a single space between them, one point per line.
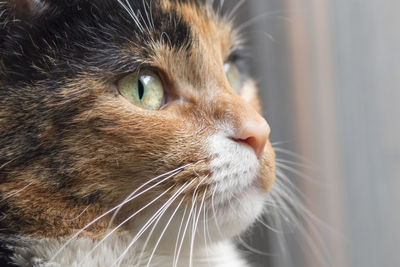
pixel 130 135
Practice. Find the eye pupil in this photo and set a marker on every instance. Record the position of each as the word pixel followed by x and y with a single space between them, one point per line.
pixel 143 89
pixel 140 89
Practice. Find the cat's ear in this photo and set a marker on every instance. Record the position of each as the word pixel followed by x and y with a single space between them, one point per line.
pixel 23 9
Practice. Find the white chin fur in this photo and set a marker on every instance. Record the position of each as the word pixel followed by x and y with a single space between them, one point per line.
pixel 237 199
pixel 236 203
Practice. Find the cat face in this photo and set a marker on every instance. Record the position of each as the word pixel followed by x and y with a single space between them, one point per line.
pixel 76 150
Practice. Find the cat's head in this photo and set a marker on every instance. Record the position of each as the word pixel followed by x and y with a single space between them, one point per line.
pixel 139 103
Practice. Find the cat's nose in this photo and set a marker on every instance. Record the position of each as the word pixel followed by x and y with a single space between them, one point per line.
pixel 254 132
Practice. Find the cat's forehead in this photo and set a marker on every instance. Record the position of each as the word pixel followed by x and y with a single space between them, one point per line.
pixel 189 28
pixel 209 41
pixel 210 28
pixel 113 37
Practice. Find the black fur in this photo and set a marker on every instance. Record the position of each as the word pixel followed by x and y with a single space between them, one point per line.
pixel 71 37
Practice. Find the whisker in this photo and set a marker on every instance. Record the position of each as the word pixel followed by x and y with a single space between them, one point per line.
pixel 8 162
pixel 285 182
pixel 215 214
pixel 293 154
pixel 276 231
pixel 274 144
pixel 221 5
pixel 293 170
pixel 160 212
pixel 195 221
pixel 115 208
pixel 189 217
pixel 183 235
pixel 302 165
pixel 132 14
pixel 79 215
pixel 251 249
pixel 184 187
pixel 235 8
pixel 162 233
pixel 139 15
pixel 173 172
pixel 290 198
pixel 16 192
pixel 256 19
pixel 151 14
pixel 179 232
pixel 126 220
pixel 205 230
pixel 147 14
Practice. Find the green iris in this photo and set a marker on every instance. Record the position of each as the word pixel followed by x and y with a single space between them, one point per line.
pixel 143 89
pixel 233 75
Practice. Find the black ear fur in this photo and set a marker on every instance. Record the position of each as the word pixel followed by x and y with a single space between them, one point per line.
pixel 14 16
pixel 22 9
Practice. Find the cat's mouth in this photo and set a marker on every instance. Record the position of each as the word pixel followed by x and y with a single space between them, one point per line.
pixel 237 170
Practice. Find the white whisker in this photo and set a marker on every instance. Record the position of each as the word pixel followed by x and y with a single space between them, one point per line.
pixel 147 225
pixel 215 214
pixel 147 15
pixel 16 192
pixel 292 170
pixel 128 198
pixel 293 154
pixel 183 235
pixel 126 220
pixel 251 249
pixel 189 217
pixel 302 165
pixel 162 233
pixel 178 235
pixel 258 17
pixel 131 13
pixel 234 9
pixel 205 230
pixel 115 208
pixel 79 215
pixel 8 162
pixel 179 191
pixel 195 221
pixel 269 227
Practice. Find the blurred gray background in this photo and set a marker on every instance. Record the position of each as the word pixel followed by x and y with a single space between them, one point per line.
pixel 329 74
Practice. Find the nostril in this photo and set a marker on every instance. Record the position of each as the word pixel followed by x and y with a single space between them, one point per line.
pixel 254 134
pixel 248 141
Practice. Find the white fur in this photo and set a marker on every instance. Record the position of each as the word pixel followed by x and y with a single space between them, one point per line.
pixel 74 255
pixel 235 172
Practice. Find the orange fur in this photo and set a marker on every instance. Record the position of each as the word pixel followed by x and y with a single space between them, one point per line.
pixel 115 146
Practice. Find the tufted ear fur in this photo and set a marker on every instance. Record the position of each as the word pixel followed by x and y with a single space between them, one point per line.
pixel 22 9
pixel 16 18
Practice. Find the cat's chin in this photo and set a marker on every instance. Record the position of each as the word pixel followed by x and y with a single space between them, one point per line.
pixel 235 216
pixel 206 227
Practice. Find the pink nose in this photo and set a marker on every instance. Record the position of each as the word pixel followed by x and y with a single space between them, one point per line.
pixel 254 132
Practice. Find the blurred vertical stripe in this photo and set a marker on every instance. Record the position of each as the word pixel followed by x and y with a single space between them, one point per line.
pixel 329 73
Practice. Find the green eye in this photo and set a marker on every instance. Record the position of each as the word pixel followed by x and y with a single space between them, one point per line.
pixel 143 89
pixel 233 75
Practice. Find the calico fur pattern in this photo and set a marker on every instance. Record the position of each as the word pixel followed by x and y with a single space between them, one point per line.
pixel 72 148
